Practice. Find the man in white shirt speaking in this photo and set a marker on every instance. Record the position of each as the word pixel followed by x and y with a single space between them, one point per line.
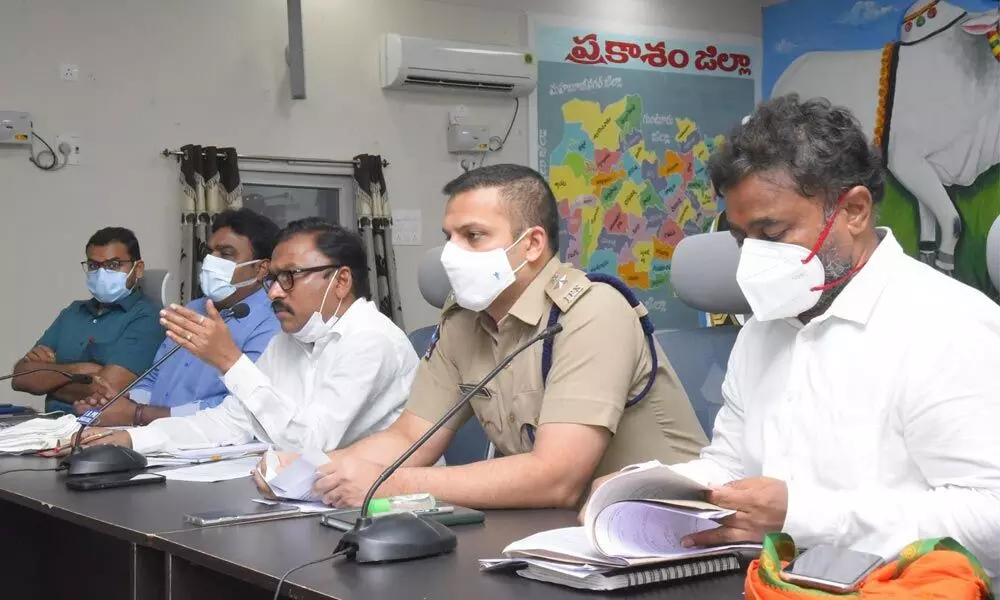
pixel 862 400
pixel 339 370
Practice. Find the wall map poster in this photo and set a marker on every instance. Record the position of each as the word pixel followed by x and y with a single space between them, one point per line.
pixel 625 126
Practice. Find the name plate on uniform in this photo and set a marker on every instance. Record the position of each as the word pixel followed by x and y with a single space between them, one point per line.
pixel 465 388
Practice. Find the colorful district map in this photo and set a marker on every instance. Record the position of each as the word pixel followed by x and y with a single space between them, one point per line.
pixel 625 206
pixel 626 126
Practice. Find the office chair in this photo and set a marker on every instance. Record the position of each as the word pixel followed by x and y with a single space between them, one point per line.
pixel 993 253
pixel 703 273
pixel 156 287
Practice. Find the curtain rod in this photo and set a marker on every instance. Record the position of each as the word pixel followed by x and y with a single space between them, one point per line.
pixel 284 159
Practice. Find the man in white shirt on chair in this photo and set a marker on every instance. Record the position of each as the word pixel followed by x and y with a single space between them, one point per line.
pixel 339 370
pixel 862 400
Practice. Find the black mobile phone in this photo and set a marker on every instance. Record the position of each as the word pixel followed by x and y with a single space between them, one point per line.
pixel 258 512
pixel 113 480
pixel 833 569
pixel 446 515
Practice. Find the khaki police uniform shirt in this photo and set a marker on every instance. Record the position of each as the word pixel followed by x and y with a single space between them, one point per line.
pixel 599 361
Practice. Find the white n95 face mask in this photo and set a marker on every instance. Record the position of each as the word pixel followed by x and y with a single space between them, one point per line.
pixel 217 275
pixel 315 328
pixel 477 278
pixel 780 281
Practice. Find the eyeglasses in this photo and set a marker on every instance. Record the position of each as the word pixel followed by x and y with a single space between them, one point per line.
pixel 286 278
pixel 89 266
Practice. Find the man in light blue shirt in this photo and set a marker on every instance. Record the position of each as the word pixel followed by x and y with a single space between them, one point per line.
pixel 239 249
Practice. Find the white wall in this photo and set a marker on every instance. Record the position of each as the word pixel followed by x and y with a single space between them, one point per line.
pixel 161 74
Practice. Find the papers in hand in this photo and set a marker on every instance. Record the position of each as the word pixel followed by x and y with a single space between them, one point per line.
pixel 36 434
pixel 294 482
pixel 636 518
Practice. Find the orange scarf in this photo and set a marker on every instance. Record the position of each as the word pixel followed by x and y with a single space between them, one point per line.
pixel 935 569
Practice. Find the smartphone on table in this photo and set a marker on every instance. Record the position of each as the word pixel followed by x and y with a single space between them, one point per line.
pixel 88 483
pixel 251 514
pixel 831 569
pixel 446 514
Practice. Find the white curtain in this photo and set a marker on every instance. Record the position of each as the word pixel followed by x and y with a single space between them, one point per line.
pixel 210 184
pixel 375 226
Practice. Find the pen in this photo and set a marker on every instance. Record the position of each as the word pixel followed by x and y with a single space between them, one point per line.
pixel 84 441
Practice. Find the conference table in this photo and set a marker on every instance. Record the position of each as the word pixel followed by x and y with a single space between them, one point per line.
pixel 133 543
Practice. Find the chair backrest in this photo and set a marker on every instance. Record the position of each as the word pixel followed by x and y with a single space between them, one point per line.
pixel 421 338
pixel 470 443
pixel 156 286
pixel 699 357
pixel 993 253
pixel 432 278
pixel 703 273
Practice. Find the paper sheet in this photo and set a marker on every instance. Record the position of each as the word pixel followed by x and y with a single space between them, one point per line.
pixel 640 529
pixel 222 470
pixel 568 544
pixel 572 570
pixel 36 434
pixel 214 453
pixel 406 227
pixel 294 482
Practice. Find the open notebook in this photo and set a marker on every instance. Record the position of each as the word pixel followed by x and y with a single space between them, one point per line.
pixel 636 518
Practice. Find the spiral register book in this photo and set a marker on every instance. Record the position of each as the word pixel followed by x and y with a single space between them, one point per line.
pixel 631 535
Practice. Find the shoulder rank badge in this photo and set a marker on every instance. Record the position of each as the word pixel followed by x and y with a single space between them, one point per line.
pixel 435 336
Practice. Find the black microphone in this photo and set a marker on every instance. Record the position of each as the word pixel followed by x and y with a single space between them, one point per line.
pixel 405 536
pixel 73 377
pixel 124 459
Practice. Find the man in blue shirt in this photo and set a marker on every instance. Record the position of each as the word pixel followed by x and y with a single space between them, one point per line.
pixel 111 337
pixel 239 249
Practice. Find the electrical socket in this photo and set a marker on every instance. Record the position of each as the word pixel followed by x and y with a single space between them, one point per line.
pixel 73 141
pixel 458 114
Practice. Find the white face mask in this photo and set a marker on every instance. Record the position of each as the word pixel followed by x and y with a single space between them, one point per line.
pixel 217 275
pixel 775 280
pixel 315 328
pixel 477 278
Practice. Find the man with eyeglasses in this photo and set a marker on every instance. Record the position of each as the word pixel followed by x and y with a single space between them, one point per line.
pixel 113 336
pixel 236 255
pixel 339 370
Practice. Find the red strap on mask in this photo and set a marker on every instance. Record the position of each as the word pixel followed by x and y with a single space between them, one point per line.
pixel 819 244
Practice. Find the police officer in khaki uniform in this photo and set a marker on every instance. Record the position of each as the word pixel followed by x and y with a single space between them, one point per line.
pixel 556 436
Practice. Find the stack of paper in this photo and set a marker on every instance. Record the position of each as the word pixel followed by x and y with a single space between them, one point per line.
pixel 205 455
pixel 636 520
pixel 36 434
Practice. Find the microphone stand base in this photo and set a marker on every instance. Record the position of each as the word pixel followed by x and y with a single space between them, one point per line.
pixel 396 537
pixel 95 460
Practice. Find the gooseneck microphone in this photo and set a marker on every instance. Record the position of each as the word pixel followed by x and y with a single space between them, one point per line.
pixel 405 536
pixel 72 377
pixel 110 458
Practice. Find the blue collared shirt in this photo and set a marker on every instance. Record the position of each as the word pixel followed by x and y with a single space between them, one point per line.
pixel 126 333
pixel 186 384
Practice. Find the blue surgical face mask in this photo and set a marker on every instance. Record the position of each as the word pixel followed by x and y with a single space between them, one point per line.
pixel 216 277
pixel 107 286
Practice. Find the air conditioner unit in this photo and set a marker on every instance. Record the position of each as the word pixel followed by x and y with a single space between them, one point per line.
pixel 412 63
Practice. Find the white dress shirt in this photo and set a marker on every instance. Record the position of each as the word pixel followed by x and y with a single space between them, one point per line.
pixel 882 415
pixel 349 384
